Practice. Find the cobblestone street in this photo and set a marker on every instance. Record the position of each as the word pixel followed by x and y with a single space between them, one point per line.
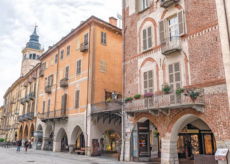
pixel 9 156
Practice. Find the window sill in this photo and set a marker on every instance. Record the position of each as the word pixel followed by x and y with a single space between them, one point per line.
pixel 104 44
pixel 144 51
pixel 102 71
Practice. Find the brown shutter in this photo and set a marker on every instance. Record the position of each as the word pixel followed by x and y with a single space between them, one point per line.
pixel 33 104
pixel 137 6
pixel 150 37
pixel 181 22
pixel 162 30
pixel 105 37
pixel 48 108
pixel 144 39
pixel 150 79
pixel 67 72
pixel 43 109
pixel 48 81
pixel 34 87
pixel 64 104
pixel 145 82
pixel 77 99
pixel 102 39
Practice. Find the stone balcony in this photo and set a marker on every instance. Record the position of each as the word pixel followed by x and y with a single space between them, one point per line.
pixel 29 116
pixel 53 115
pixel 167 3
pixel 64 83
pixel 41 73
pixel 27 98
pixel 164 103
pixel 84 47
pixel 15 126
pixel 48 89
pixel 113 105
pixel 171 45
pixel 21 118
pixel 23 101
pixel 32 96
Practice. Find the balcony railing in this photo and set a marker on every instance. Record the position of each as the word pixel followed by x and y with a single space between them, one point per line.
pixel 171 45
pixel 22 118
pixel 107 106
pixel 30 116
pixel 7 127
pixel 64 82
pixel 34 76
pixel 41 73
pixel 167 3
pixel 13 101
pixel 48 89
pixel 59 114
pixel 25 84
pixel 30 80
pixel 32 95
pixel 27 98
pixel 167 101
pixel 84 46
pixel 15 126
pixel 23 101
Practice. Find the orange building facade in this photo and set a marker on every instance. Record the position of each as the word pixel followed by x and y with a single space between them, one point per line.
pixel 83 69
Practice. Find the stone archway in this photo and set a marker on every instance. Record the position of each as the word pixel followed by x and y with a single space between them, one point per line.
pixel 31 130
pixel 60 141
pixel 20 132
pixel 76 134
pixel 25 132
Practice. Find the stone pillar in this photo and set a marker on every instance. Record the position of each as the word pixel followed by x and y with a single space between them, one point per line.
pixel 45 142
pixel 169 151
pixel 71 147
pixel 223 144
pixel 56 146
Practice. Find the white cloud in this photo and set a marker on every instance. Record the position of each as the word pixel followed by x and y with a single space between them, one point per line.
pixel 55 19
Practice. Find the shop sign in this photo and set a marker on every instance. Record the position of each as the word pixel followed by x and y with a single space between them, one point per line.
pixel 221 154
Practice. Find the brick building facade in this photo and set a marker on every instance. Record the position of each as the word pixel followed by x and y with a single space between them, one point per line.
pixel 178 44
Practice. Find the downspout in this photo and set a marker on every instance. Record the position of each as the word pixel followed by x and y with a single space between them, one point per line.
pixel 55 92
pixel 226 20
pixel 123 89
pixel 86 115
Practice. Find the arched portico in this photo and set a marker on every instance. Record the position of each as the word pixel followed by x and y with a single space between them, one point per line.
pixel 77 135
pixel 60 141
pixel 20 133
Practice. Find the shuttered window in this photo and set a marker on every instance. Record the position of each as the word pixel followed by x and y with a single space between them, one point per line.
pixel 33 106
pixel 56 58
pixel 45 82
pixel 44 66
pixel 34 87
pixel 77 98
pixel 64 102
pixel 86 38
pixel 78 44
pixel 103 66
pixel 147 38
pixel 67 72
pixel 43 106
pixel 162 30
pixel 181 22
pixel 61 74
pixel 103 38
pixel 148 81
pixel 62 55
pixel 54 78
pixel 51 61
pixel 28 108
pixel 48 106
pixel 174 80
pixel 50 80
pixel 141 5
pixel 68 51
pixel 78 71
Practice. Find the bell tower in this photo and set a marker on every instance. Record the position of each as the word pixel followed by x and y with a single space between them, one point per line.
pixel 31 53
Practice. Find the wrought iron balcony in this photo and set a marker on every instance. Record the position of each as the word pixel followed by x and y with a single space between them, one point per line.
pixel 113 105
pixel 13 101
pixel 27 98
pixel 84 47
pixel 48 89
pixel 21 118
pixel 32 95
pixel 7 127
pixel 41 73
pixel 23 101
pixel 171 45
pixel 167 3
pixel 64 82
pixel 165 102
pixel 30 116
pixel 59 114
pixel 15 126
pixel 25 84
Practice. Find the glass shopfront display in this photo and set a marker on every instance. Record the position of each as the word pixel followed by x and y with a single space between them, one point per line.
pixel 208 144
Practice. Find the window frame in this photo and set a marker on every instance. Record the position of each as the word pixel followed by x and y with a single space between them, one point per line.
pixel 103 38
pixel 147 38
pixel 56 58
pixel 62 54
pixel 78 40
pixel 102 65
pixel 68 50
pixel 78 73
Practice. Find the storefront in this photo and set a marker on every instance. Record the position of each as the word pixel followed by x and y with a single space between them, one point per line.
pixel 110 141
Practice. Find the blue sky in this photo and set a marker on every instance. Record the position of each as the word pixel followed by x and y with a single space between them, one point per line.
pixel 54 18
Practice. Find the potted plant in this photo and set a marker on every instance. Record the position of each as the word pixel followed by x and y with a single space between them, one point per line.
pixel 166 88
pixel 138 96
pixel 179 91
pixel 128 99
pixel 148 95
pixel 108 100
pixel 193 94
pixel 155 134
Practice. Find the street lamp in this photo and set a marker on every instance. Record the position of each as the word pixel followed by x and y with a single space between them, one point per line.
pixel 114 95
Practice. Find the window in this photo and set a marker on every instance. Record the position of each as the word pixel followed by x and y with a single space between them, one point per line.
pixel 172 28
pixel 67 72
pixel 174 80
pixel 56 58
pixel 54 78
pixel 68 51
pixel 78 71
pixel 45 82
pixel 141 5
pixel 77 98
pixel 103 66
pixel 50 81
pixel 148 81
pixel 144 4
pixel 63 103
pixel 34 56
pixel 86 38
pixel 31 56
pixel 103 38
pixel 62 55
pixel 51 61
pixel 147 38
pixel 78 44
pixel 43 106
pixel 48 106
pixel 44 66
pixel 60 74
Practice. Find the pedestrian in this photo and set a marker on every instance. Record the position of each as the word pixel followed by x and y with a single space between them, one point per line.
pixel 26 145
pixel 19 144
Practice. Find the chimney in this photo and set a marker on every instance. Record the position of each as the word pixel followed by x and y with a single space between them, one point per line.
pixel 113 21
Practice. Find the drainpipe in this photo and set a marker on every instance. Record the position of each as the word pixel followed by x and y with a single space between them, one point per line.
pixel 123 89
pixel 86 115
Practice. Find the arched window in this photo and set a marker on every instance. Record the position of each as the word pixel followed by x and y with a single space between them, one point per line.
pixel 30 56
pixel 34 56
